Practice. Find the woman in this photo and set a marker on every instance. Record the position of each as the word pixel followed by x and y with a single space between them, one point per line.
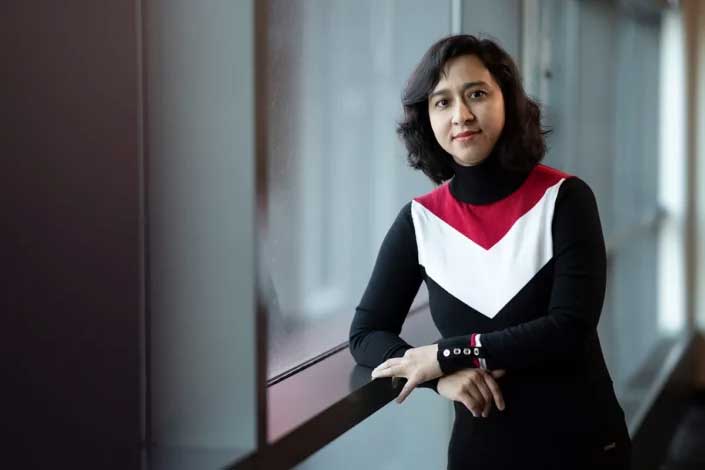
pixel 513 256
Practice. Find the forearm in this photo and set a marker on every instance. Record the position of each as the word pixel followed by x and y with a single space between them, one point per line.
pixel 372 347
pixel 549 341
pixel 513 348
pixel 395 280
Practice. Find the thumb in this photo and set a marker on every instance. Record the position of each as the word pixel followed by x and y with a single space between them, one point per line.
pixel 498 373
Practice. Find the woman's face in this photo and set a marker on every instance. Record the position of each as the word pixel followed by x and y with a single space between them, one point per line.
pixel 466 109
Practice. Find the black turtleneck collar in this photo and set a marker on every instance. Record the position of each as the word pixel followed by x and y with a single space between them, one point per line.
pixel 485 182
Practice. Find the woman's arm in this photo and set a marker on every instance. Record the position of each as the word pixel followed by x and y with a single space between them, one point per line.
pixel 576 297
pixel 395 280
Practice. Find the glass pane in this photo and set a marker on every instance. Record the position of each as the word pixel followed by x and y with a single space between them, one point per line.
pixel 337 173
pixel 199 132
pixel 597 75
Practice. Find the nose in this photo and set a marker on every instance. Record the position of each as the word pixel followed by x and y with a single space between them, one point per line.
pixel 462 113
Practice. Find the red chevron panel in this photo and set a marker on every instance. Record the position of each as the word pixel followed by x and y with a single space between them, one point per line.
pixel 486 224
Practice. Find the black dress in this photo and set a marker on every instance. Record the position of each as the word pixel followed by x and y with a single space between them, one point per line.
pixel 515 268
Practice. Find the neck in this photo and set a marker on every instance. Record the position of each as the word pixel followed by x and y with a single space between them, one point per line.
pixel 485 182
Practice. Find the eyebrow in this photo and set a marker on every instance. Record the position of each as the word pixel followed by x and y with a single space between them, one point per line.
pixel 465 87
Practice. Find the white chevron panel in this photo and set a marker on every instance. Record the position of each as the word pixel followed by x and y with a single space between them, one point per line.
pixel 486 280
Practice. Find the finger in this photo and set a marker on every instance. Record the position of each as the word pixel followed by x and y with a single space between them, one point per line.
pixel 466 400
pixel 391 371
pixel 496 392
pixel 471 403
pixel 408 388
pixel 486 395
pixel 498 373
pixel 388 363
pixel 476 400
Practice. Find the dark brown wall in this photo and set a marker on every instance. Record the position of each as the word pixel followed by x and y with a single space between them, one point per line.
pixel 70 264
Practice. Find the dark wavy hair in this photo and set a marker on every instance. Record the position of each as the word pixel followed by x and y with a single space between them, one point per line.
pixel 521 144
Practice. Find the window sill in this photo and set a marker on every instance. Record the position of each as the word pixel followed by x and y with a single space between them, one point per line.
pixel 311 408
pixel 664 386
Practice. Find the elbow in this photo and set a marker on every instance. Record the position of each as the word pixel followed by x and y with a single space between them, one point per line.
pixel 355 341
pixel 363 349
pixel 572 340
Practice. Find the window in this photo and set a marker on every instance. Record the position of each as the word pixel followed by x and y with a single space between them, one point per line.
pixel 598 74
pixel 336 172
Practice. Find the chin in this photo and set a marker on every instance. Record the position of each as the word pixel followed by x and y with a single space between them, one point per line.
pixel 469 161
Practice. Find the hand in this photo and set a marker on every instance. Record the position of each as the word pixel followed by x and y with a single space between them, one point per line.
pixel 418 365
pixel 475 388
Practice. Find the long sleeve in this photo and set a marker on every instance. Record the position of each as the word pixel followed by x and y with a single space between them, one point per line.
pixel 576 297
pixel 395 280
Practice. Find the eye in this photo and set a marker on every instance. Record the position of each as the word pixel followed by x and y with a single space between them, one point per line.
pixel 478 94
pixel 442 103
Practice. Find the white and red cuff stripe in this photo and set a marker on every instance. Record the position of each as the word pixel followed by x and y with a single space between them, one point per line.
pixel 476 343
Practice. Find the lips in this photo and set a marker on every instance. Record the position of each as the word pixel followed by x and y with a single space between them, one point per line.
pixel 465 134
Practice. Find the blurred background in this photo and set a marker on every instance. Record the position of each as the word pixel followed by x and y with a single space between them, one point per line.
pixel 174 167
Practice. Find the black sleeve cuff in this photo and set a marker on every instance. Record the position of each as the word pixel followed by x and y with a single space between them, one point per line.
pixel 456 353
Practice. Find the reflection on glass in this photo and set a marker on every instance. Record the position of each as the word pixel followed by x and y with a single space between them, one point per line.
pixel 336 170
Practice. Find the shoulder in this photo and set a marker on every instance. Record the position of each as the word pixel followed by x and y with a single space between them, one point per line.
pixel 575 202
pixel 571 187
pixel 403 222
pixel 434 197
pixel 430 201
pixel 576 214
pixel 401 234
pixel 549 172
pixel 404 214
pixel 574 191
